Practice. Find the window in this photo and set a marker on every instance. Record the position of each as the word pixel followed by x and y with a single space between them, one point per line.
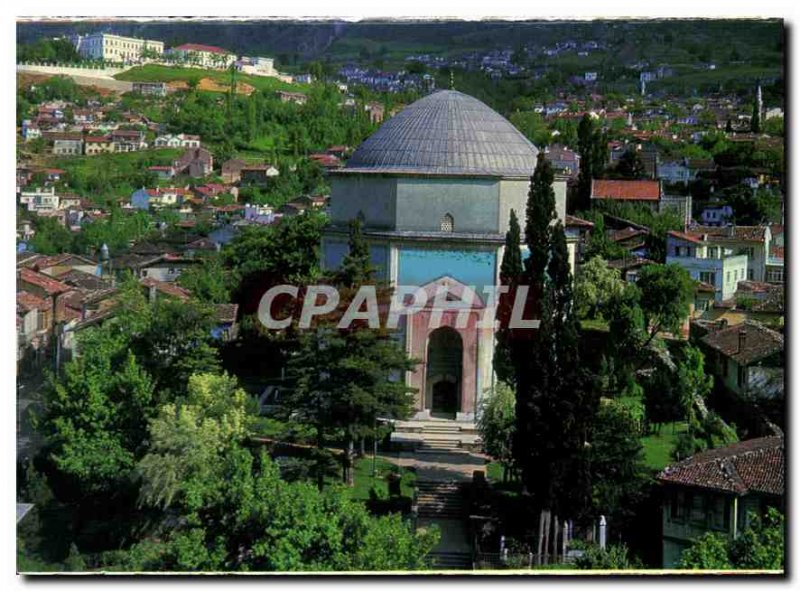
pixel 697 510
pixel 446 225
pixel 728 277
pixel 677 507
pixel 741 378
pixel 750 274
pixel 677 251
pixel 719 516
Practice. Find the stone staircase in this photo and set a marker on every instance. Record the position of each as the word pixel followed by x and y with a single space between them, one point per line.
pixel 440 500
pixel 435 436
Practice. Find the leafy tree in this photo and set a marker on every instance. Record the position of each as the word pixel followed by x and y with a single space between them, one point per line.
pixel 175 342
pixel 51 237
pixel 616 460
pixel 207 282
pixel 187 437
pixel 287 252
pixel 708 552
pixel 666 292
pixel 760 546
pixel 631 166
pixel 613 557
pixel 751 207
pixel 234 511
pixel 510 274
pixel 626 334
pixel 48 50
pixel 595 286
pixel 496 424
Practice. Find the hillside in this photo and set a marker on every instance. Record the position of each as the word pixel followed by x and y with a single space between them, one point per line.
pixel 211 80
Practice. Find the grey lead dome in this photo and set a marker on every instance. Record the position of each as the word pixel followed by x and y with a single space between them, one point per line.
pixel 446 133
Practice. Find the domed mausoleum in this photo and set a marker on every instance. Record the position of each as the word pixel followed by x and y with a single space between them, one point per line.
pixel 434 187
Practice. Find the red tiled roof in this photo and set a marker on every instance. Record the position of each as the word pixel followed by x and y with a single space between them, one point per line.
pixel 167 288
pixel 759 342
pixel 746 233
pixel 702 286
pixel 755 465
pixel 159 168
pixel 685 236
pixel 576 222
pixel 48 284
pixel 626 190
pixel 625 234
pixel 199 47
pixel 99 139
pixel 27 301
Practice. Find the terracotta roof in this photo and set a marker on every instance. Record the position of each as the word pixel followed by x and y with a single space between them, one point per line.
pixel 48 284
pixel 27 301
pixel 625 234
pixel 759 342
pixel 167 288
pixel 702 286
pixel 199 47
pixel 685 236
pixel 752 466
pixel 576 222
pixel 626 190
pixel 747 233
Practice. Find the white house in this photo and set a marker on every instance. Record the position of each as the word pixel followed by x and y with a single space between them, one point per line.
pixel 181 140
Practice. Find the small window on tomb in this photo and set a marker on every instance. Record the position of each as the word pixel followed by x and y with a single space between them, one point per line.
pixel 446 224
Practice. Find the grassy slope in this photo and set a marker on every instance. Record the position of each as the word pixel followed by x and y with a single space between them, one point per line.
pixel 658 448
pixel 158 73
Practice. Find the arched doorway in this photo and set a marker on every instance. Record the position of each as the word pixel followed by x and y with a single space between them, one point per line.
pixel 443 373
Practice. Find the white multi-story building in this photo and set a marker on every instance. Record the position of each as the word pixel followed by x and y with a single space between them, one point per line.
pixel 40 199
pixel 115 48
pixel 257 66
pixel 706 261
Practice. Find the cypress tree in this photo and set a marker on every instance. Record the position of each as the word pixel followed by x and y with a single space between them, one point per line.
pixel 553 409
pixel 755 120
pixel 510 273
pixel 539 211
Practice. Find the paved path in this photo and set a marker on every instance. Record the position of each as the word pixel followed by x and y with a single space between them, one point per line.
pixel 456 466
pixel 454 549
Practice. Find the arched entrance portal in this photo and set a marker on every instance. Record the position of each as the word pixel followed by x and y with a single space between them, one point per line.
pixel 443 373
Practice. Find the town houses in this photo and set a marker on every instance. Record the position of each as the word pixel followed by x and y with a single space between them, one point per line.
pixel 641 196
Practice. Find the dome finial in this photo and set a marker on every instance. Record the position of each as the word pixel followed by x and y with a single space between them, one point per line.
pixel 452 80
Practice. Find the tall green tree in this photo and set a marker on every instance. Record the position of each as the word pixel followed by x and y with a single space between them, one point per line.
pixel 346 378
pixel 554 406
pixel 510 273
pixel 592 150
